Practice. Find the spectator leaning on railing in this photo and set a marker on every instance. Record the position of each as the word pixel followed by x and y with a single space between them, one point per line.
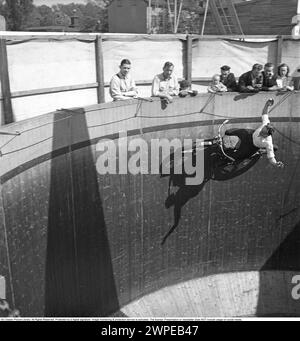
pixel 251 81
pixel 122 86
pixel 269 78
pixel 185 89
pixel 165 85
pixel 216 85
pixel 284 81
pixel 228 78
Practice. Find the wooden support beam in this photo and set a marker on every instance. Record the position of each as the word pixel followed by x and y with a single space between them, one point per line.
pixel 5 85
pixel 178 16
pixel 205 16
pixel 99 69
pixel 175 16
pixel 47 91
pixel 189 57
pixel 149 17
pixel 2 288
pixel 279 50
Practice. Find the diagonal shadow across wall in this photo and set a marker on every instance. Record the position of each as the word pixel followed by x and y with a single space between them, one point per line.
pixel 79 271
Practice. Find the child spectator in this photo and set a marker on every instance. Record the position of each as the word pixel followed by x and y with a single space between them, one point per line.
pixel 185 89
pixel 216 85
pixel 165 84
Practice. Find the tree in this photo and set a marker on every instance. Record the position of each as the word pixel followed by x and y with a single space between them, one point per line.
pixel 16 13
pixel 92 17
pixel 19 14
pixel 47 15
pixel 62 19
pixel 34 19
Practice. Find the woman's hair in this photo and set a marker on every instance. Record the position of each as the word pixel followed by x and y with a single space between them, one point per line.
pixel 281 66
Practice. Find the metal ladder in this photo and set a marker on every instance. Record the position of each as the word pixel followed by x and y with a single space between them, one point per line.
pixel 226 17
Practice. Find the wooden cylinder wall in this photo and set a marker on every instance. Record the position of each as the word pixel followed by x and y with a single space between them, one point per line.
pixel 77 243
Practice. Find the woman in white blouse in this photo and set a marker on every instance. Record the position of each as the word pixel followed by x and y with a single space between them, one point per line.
pixel 284 82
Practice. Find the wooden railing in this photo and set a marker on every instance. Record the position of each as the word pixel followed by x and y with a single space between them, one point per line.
pixel 99 85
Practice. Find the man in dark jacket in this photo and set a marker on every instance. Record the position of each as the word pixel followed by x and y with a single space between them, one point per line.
pixel 251 81
pixel 228 78
pixel 269 79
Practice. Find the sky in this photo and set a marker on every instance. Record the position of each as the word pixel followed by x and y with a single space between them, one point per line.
pixel 54 2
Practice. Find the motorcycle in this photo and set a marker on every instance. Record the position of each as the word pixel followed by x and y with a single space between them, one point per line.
pixel 217 164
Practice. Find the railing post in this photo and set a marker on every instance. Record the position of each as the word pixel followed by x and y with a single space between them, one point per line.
pixel 279 50
pixel 5 85
pixel 99 69
pixel 189 57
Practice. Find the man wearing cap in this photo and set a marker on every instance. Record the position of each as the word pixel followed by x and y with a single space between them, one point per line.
pixel 243 143
pixel 228 78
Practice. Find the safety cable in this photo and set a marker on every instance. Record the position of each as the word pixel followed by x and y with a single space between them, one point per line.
pixel 26 147
pixel 45 124
pixel 1 154
pixel 201 111
pixel 18 133
pixel 286 137
pixel 286 96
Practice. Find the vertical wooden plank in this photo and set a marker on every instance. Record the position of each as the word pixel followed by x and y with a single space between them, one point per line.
pixel 149 17
pixel 279 50
pixel 99 69
pixel 5 85
pixel 205 16
pixel 2 23
pixel 189 57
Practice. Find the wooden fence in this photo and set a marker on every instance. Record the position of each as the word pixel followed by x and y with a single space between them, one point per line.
pixel 99 85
